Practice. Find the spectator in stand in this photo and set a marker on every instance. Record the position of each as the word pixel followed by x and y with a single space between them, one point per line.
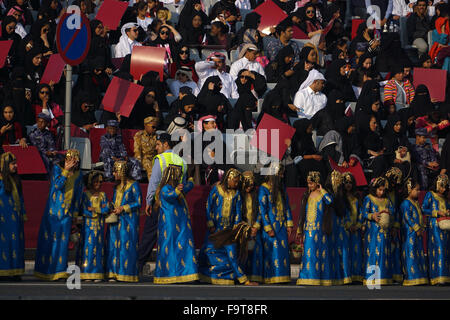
pixel 43 103
pixel 145 106
pixel 426 159
pixel 401 8
pixel 185 111
pixel 142 20
pixel 338 77
pixel 434 123
pixel 83 114
pixel 183 79
pixel 100 45
pixel 17 13
pixel 440 51
pixel 251 82
pixel 191 8
pixel 219 35
pixel 11 132
pixel 44 141
pixel 374 151
pixel 282 66
pixel 215 66
pixel 127 41
pixel 418 25
pixel 398 91
pixel 167 38
pixel 366 37
pixel 194 33
pixel 145 144
pixel 182 59
pixel 8 27
pixel 33 68
pixel 425 61
pixel 241 115
pixel 251 21
pixel 112 149
pixel 231 12
pixel 247 60
pixel 284 35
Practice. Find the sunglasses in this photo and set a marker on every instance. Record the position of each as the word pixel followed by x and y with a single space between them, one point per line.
pixel 310 11
pixel 44 92
pixel 164 33
pixel 150 96
pixel 134 30
pixel 184 51
pixel 152 126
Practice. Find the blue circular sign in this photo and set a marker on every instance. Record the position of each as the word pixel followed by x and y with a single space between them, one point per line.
pixel 73 38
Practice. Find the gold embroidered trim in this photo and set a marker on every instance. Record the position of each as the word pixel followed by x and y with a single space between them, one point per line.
pixel 175 279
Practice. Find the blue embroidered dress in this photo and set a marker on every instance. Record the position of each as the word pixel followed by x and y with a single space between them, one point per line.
pixel 377 242
pixel 396 243
pixel 340 254
pixel 122 237
pixel 223 211
pixel 63 204
pixel 414 261
pixel 12 242
pixel 316 265
pixel 438 240
pixel 276 218
pixel 92 246
pixel 175 261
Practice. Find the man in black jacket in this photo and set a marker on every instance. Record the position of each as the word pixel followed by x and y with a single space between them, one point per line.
pixel 418 25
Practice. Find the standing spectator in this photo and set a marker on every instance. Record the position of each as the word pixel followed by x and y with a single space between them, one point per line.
pixel 426 159
pixel 418 25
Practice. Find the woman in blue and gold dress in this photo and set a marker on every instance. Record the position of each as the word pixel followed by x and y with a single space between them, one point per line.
pixel 394 177
pixel 253 266
pixel 223 211
pixel 353 226
pixel 63 204
pixel 414 261
pixel 175 260
pixel 94 208
pixel 434 206
pixel 339 240
pixel 277 222
pixel 315 226
pixel 122 236
pixel 378 249
pixel 12 217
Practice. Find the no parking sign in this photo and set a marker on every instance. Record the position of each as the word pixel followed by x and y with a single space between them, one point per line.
pixel 73 37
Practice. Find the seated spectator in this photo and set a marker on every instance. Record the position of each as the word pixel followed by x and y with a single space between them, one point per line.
pixel 351 147
pixel 366 39
pixel 212 101
pixel 15 91
pixel 303 147
pixel 215 66
pixel 142 20
pixel 286 5
pixel 145 144
pixel 284 33
pixel 183 79
pixel 336 105
pixel 182 59
pixel 100 45
pixel 167 38
pixel 11 132
pixel 418 25
pixel 374 155
pixel 194 33
pixel 310 102
pixel 338 77
pixel 83 113
pixel 251 82
pixel 145 106
pixel 33 68
pixel 230 13
pixel 272 106
pixel 251 22
pixel 219 35
pixel 395 143
pixel 44 141
pixel 282 66
pixel 434 123
pixel 44 103
pixel 360 50
pixel 241 115
pixel 185 111
pixel 398 91
pixel 191 8
pixel 425 61
pixel 440 52
pixel 247 60
pixel 127 40
pixel 425 158
pixel 112 149
pixel 359 77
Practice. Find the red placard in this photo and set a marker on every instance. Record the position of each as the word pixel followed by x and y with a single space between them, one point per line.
pixel 4 50
pixel 145 59
pixel 434 79
pixel 29 160
pixel 271 135
pixel 357 172
pixel 298 33
pixel 121 95
pixel 355 25
pixel 271 15
pixel 110 13
pixel 54 69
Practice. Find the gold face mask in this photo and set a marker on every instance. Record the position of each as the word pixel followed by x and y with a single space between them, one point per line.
pixel 248 180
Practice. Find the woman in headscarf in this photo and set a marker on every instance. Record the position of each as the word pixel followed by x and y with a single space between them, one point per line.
pixel 366 36
pixel 191 8
pixel 303 146
pixel 100 46
pixel 229 10
pixel 351 146
pixel 241 115
pixel 167 38
pixel 212 101
pixel 43 102
pixel 282 66
pixel 337 76
pixel 421 104
pixel 371 106
pixel 335 105
pixel 94 80
pixel 185 111
pixel 8 27
pixel 33 68
pixel 301 70
pixel 11 132
pixel 374 151
pixel 251 21
pixel 272 106
pixel 365 62
pixel 251 82
pixel 194 33
pixel 219 35
pixel 83 114
pixel 145 106
pixel 369 87
pixel 182 59
pixel 42 38
pixel 286 5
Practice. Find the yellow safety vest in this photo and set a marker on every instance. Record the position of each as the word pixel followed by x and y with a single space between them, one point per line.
pixel 167 158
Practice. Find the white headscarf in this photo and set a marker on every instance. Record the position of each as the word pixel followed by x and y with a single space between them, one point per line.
pixel 312 76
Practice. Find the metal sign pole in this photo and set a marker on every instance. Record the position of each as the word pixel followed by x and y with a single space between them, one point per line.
pixel 68 106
